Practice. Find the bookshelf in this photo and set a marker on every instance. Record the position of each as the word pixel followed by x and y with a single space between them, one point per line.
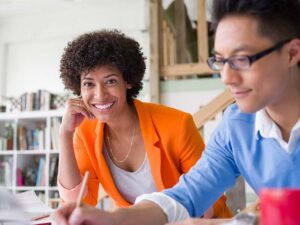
pixel 29 159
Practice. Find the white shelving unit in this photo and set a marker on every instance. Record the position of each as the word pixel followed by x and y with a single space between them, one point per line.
pixel 27 160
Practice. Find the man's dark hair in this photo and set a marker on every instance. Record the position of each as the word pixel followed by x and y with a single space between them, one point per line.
pixel 277 19
pixel 103 48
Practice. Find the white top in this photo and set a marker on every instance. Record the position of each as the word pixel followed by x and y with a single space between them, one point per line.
pixel 131 184
pixel 265 126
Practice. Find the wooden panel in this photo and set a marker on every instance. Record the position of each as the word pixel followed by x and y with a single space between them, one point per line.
pixel 169 45
pixel 180 31
pixel 165 44
pixel 202 32
pixel 215 106
pixel 155 50
pixel 168 54
pixel 186 69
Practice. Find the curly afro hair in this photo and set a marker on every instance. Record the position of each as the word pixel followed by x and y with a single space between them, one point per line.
pixel 103 48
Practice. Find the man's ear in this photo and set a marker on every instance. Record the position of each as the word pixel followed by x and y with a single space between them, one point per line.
pixel 294 52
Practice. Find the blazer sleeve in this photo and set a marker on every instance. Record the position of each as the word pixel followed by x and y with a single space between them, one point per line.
pixel 84 163
pixel 191 148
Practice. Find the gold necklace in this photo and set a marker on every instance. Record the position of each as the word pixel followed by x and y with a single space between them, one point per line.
pixel 130 147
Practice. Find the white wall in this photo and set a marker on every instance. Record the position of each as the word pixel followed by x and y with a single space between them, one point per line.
pixel 34 34
pixel 33 65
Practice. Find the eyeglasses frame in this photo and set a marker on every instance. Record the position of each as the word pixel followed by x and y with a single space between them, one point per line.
pixel 252 59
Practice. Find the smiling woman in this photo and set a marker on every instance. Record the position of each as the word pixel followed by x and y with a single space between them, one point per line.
pixel 128 146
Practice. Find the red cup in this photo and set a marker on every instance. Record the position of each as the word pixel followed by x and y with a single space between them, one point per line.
pixel 280 206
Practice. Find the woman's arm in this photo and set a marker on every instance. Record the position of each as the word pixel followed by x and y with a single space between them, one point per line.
pixel 68 171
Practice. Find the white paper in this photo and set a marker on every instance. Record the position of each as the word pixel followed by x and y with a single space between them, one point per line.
pixel 33 206
pixel 10 211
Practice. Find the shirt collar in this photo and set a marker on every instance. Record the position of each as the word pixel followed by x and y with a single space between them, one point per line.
pixel 267 128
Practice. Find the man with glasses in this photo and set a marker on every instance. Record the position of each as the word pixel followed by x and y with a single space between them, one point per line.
pixel 257 52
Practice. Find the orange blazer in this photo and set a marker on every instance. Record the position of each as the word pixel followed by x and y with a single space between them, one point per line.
pixel 172 143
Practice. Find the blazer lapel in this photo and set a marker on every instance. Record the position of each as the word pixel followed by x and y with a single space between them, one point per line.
pixel 151 141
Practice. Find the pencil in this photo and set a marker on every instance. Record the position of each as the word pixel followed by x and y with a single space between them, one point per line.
pixel 82 189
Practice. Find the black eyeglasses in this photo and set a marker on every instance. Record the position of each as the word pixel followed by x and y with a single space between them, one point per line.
pixel 241 62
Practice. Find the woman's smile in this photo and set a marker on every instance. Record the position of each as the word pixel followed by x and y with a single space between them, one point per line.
pixel 103 107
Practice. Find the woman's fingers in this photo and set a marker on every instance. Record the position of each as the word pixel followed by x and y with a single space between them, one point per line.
pixel 88 215
pixel 69 214
pixel 61 216
pixel 76 105
pixel 74 114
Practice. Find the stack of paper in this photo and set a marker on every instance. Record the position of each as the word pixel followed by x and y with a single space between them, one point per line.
pixel 23 209
pixel 11 212
pixel 33 206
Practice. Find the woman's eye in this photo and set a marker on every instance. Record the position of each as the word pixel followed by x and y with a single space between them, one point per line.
pixel 88 84
pixel 111 82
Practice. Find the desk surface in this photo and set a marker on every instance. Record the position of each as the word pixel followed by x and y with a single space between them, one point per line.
pixel 200 222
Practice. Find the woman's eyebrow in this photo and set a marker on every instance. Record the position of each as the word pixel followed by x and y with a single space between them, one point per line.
pixel 110 75
pixel 87 78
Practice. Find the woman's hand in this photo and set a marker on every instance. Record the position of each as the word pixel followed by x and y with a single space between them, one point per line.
pixel 88 215
pixel 74 115
pixel 146 213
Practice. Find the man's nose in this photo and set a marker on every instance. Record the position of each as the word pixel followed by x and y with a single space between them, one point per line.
pixel 230 76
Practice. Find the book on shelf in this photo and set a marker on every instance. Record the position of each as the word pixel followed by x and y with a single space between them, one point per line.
pixel 33 175
pixel 52 168
pixel 3 144
pixel 5 173
pixel 31 138
pixel 38 140
pixel 53 171
pixel 40 100
pixel 35 101
pixel 29 101
pixel 20 181
pixel 28 138
pixel 22 144
pixel 45 99
pixel 40 178
pixel 55 124
pixel 6 137
pixel 23 102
